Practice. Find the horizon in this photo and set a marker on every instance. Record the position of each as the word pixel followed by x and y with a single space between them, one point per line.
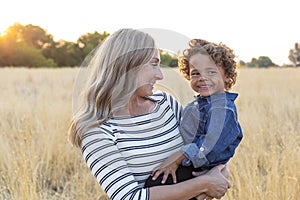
pixel 250 28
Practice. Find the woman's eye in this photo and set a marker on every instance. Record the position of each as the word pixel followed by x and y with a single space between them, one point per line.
pixel 155 64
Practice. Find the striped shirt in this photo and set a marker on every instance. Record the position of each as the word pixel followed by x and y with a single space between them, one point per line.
pixel 122 152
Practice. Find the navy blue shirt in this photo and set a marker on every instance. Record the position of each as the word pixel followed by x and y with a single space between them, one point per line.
pixel 210 130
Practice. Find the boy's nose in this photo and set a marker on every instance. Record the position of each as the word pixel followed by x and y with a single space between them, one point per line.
pixel 201 78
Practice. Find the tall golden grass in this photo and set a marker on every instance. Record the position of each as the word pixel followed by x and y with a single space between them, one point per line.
pixel 37 162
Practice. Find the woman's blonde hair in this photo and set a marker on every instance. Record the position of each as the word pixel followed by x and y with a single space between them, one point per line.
pixel 220 54
pixel 112 79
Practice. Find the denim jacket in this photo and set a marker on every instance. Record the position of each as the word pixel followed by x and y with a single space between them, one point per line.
pixel 210 130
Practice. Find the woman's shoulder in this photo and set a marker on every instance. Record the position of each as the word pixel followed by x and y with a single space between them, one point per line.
pixel 158 95
pixel 103 129
pixel 162 96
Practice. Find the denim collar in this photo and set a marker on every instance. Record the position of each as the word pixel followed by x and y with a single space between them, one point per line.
pixel 215 97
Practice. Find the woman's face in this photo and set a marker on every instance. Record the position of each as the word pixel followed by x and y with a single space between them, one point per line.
pixel 148 75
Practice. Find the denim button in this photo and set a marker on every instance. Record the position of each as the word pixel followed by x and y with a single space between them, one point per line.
pixel 201 148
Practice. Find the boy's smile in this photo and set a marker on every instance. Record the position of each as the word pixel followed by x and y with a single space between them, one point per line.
pixel 205 77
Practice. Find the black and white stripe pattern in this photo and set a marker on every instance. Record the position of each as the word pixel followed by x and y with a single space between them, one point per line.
pixel 122 152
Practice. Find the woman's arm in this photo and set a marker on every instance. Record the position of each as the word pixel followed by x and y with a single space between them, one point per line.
pixel 109 167
pixel 111 171
pixel 213 183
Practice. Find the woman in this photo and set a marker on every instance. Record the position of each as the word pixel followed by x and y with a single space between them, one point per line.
pixel 125 130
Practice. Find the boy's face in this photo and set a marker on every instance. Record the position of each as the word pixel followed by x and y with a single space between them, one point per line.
pixel 205 77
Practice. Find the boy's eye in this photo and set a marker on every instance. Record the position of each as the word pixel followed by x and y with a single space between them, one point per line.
pixel 211 72
pixel 195 74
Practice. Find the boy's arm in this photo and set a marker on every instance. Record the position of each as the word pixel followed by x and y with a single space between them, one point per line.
pixel 189 122
pixel 169 166
pixel 218 145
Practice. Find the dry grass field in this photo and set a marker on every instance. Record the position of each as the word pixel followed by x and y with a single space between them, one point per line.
pixel 37 162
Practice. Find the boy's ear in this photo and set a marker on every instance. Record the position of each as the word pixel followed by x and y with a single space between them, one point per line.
pixel 227 79
pixel 226 82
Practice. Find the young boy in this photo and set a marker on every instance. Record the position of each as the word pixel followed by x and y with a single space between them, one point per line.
pixel 209 126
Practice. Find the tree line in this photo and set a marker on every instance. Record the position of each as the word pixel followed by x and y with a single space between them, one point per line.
pixel 32 46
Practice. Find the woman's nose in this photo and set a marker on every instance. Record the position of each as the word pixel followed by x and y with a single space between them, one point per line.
pixel 158 74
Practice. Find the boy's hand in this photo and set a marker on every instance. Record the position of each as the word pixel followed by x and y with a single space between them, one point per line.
pixel 168 167
pixel 166 170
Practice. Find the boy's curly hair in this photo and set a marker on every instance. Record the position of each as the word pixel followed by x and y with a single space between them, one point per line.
pixel 222 55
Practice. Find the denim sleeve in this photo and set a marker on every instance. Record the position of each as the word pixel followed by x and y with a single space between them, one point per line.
pixel 189 122
pixel 193 155
pixel 217 146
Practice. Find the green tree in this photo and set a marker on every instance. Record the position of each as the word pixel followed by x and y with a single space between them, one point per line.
pixel 242 63
pixel 31 57
pixel 21 54
pixel 7 52
pixel 168 60
pixel 262 61
pixel 89 41
pixel 63 53
pixel 37 36
pixel 294 55
pixel 23 46
pixel 29 34
pixel 72 54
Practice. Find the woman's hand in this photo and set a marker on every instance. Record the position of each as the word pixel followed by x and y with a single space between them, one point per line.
pixel 203 197
pixel 225 171
pixel 217 184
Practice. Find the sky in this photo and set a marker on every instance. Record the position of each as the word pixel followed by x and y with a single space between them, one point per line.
pixel 252 28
